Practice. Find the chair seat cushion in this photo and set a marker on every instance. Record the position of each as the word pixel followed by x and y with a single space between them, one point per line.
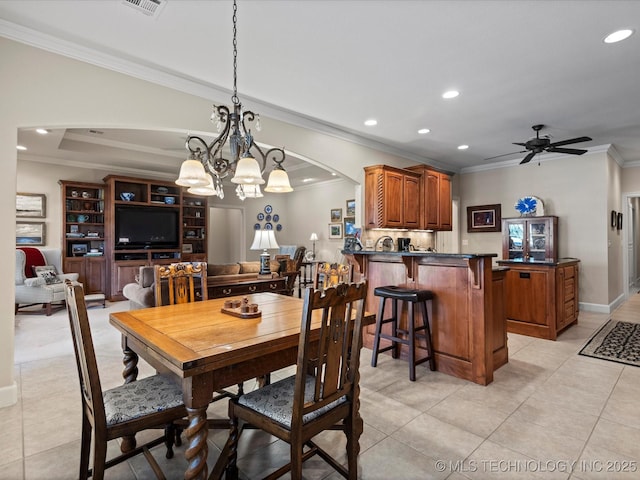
pixel 275 401
pixel 142 397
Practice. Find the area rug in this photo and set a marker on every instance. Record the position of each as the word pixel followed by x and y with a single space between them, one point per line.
pixel 615 341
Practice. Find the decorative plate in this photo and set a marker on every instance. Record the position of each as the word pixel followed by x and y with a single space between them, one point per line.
pixel 268 209
pixel 163 190
pixel 267 218
pixel 526 206
pixel 261 216
pixel 268 226
pixel 276 217
pixel 256 226
pixel 278 227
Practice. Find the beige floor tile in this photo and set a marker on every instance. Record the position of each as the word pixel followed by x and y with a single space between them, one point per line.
pixel 392 459
pixel 493 396
pixel 473 417
pixel 601 464
pixel 616 437
pixel 384 413
pixel 438 439
pixel 585 401
pixel 13 470
pixel 11 434
pixel 538 442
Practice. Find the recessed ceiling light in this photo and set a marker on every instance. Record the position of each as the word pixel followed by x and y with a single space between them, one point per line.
pixel 463 147
pixel 42 131
pixel 20 147
pixel 618 36
pixel 306 180
pixel 450 94
pixel 422 131
pixel 371 122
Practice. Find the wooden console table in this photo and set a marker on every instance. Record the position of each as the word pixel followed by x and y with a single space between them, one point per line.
pixel 256 285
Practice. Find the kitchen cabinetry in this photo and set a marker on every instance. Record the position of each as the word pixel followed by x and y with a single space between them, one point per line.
pixel 391 198
pixel 542 297
pixel 83 231
pixel 435 198
pixel 530 238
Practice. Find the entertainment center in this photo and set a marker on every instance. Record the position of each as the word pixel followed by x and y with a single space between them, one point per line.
pixel 126 223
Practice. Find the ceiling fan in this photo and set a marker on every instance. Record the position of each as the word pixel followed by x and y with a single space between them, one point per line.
pixel 539 145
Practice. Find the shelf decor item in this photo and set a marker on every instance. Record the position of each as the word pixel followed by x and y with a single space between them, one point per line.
pixel 484 218
pixel 529 206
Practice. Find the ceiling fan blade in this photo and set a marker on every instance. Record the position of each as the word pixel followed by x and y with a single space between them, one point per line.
pixel 521 144
pixel 571 140
pixel 504 155
pixel 571 151
pixel 528 158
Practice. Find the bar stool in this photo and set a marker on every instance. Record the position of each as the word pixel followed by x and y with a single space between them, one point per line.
pixel 412 297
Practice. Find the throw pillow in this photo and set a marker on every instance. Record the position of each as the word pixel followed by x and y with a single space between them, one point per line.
pixel 48 272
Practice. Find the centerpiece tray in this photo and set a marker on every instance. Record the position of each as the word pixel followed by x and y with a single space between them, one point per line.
pixel 241 309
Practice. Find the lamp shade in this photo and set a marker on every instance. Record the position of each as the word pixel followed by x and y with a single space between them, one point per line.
pixel 252 191
pixel 278 182
pixel 264 239
pixel 248 172
pixel 192 174
pixel 206 190
pixel 313 237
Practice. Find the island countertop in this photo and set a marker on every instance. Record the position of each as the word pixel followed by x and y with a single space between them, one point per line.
pixel 468 309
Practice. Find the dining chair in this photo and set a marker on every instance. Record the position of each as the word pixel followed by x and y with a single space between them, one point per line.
pixel 331 274
pixel 180 283
pixel 152 402
pixel 322 395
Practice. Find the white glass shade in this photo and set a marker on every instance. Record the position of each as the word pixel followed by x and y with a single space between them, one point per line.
pixel 278 182
pixel 192 174
pixel 264 239
pixel 313 237
pixel 205 190
pixel 248 172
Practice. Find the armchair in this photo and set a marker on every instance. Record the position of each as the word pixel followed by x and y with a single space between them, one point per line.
pixel 32 289
pixel 292 269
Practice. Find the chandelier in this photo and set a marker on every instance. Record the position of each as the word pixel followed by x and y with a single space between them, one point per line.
pixel 205 168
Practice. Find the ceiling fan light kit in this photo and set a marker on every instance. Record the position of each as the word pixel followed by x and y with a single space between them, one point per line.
pixel 231 129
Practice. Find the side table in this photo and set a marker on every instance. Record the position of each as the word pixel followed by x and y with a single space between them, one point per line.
pixel 306 275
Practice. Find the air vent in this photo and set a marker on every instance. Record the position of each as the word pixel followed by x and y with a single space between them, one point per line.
pixel 96 132
pixel 151 8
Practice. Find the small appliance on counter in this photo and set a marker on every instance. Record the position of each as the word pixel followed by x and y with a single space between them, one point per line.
pixel 403 244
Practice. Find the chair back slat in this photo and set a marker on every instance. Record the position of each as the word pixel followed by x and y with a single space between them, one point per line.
pixel 340 310
pixel 180 283
pixel 86 363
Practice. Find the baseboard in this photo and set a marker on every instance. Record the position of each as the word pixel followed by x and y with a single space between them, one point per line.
pixel 602 308
pixel 9 395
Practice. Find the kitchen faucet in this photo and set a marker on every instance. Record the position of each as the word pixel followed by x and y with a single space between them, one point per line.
pixel 384 239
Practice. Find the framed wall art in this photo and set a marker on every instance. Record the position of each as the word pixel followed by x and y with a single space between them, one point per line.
pixel 30 233
pixel 336 214
pixel 351 209
pixel 349 226
pixel 31 205
pixel 619 221
pixel 335 230
pixel 484 218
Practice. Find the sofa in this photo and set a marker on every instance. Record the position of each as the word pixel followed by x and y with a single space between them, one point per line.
pixel 141 293
pixel 39 278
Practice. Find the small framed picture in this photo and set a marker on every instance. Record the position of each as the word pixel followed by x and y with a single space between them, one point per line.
pixel 73 228
pixel 484 218
pixel 336 214
pixel 30 233
pixel 335 230
pixel 351 209
pixel 187 248
pixel 349 226
pixel 619 221
pixel 79 249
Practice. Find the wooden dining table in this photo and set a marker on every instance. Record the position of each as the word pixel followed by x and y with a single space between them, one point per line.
pixel 206 350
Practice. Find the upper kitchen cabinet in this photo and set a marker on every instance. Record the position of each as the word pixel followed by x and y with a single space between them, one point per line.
pixel 391 198
pixel 435 198
pixel 530 238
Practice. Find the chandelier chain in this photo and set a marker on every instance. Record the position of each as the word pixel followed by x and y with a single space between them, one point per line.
pixel 235 98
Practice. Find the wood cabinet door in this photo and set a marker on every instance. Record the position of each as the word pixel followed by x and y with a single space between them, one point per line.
pixel 393 200
pixel 95 275
pixel 411 201
pixel 444 203
pixel 527 296
pixel 432 200
pixel 123 273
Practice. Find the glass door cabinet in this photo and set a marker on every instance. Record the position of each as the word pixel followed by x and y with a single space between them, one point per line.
pixel 530 239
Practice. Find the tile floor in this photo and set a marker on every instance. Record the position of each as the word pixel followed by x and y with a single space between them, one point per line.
pixel 550 413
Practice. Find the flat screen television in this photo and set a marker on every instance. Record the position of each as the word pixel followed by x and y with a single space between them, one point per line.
pixel 147 227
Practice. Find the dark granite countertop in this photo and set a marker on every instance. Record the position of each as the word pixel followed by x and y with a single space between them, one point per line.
pixel 418 254
pixel 521 261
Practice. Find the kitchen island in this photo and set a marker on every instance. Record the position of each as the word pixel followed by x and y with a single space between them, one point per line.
pixel 468 321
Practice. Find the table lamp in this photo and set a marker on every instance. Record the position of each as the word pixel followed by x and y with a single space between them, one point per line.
pixel 264 240
pixel 313 238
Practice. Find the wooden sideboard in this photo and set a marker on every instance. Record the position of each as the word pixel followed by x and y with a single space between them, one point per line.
pixel 468 312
